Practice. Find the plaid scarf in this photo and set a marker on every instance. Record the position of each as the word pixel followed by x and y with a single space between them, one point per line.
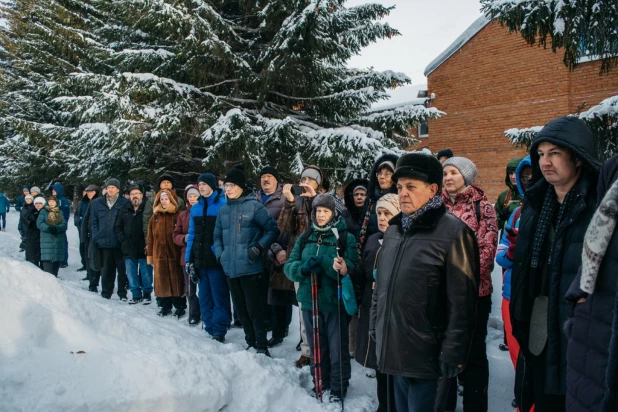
pixel 408 220
pixel 597 238
pixel 550 204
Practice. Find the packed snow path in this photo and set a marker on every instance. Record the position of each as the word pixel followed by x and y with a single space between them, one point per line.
pixel 134 360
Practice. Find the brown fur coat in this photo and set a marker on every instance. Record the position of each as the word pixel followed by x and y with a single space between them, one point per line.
pixel 163 254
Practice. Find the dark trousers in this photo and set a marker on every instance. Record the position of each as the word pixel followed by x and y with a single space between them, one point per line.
pixel 282 315
pixel 250 303
pixel 476 374
pixel 65 262
pixel 178 302
pixel 82 253
pixel 112 261
pixel 51 267
pixel 3 218
pixel 191 292
pixel 383 392
pixel 543 402
pixel 414 395
pixel 333 349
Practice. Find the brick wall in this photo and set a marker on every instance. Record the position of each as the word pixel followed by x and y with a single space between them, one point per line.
pixel 496 82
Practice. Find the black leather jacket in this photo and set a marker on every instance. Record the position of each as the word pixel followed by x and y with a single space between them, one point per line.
pixel 423 308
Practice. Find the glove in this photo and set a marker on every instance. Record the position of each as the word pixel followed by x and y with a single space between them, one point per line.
pixel 448 371
pixel 505 213
pixel 372 335
pixel 255 252
pixel 190 269
pixel 53 230
pixel 312 265
pixel 510 253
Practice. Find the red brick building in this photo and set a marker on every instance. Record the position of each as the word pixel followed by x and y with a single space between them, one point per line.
pixel 490 80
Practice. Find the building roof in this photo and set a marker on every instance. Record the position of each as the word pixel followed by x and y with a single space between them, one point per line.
pixel 463 38
pixel 401 96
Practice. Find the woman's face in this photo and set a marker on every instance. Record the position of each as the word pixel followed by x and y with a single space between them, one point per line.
pixel 232 191
pixel 384 216
pixel 359 197
pixel 51 203
pixel 192 198
pixel 39 205
pixel 453 181
pixel 165 202
pixel 29 201
pixel 323 215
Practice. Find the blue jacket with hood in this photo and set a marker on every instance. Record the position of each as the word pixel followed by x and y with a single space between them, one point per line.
pixel 63 202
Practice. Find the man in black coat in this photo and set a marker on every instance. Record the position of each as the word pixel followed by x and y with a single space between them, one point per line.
pixel 423 308
pixel 103 215
pixel 78 218
pixel 592 354
pixel 558 206
pixel 130 233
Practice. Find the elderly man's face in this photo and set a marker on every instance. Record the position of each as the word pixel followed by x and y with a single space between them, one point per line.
pixel 414 193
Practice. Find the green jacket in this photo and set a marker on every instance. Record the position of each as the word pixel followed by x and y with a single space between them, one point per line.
pixel 510 199
pixel 53 247
pixel 327 278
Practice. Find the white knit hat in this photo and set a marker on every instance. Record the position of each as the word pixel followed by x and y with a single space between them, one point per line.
pixel 39 199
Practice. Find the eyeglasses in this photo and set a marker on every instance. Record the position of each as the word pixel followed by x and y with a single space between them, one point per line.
pixel 229 186
pixel 385 173
pixel 306 179
pixel 360 194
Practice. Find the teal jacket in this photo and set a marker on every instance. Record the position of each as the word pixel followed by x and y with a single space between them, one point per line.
pixel 53 247
pixel 327 295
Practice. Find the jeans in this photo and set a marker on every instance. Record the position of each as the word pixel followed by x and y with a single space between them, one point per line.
pixel 214 297
pixel 137 286
pixel 334 354
pixel 414 395
pixel 250 303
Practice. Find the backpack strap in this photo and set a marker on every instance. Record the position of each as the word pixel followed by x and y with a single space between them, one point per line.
pixel 477 206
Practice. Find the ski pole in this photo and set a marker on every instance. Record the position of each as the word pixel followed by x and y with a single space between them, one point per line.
pixel 336 233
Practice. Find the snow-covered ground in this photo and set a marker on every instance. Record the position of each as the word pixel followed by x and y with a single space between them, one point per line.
pixel 134 360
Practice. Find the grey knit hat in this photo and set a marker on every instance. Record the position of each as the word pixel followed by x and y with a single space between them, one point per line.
pixel 465 167
pixel 113 182
pixel 35 189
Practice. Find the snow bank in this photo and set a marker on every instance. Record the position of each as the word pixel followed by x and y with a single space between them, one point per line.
pixel 132 359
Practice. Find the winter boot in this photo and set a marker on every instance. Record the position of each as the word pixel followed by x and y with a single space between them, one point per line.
pixel 83 268
pixel 274 341
pixel 503 347
pixel 263 352
pixel 335 397
pixel 164 312
pixel 135 301
pixel 298 349
pixel 219 338
pixel 303 361
pixel 194 321
pixel 147 299
pixel 237 324
pixel 180 312
pixel 250 346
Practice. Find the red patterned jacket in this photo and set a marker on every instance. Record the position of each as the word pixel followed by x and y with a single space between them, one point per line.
pixel 486 230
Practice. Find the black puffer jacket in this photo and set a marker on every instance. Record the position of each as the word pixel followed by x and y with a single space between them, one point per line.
pixel 424 303
pixel 374 194
pixel 565 132
pixel 33 234
pixel 130 231
pixel 592 354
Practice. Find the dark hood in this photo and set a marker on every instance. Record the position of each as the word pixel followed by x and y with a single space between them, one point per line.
pixel 571 133
pixel 374 187
pixel 348 196
pixel 607 177
pixel 511 167
pixel 59 189
pixel 524 162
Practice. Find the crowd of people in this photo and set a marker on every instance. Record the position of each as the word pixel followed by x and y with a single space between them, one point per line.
pixel 396 276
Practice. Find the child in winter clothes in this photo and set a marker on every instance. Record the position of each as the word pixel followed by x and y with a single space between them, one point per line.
pixel 316 256
pixel 53 227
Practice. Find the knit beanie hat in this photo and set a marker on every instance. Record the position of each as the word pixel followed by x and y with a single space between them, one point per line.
pixel 163 177
pixel 35 189
pixel 39 199
pixel 388 164
pixel 113 182
pixel 389 202
pixel 269 170
pixel 465 167
pixel 448 153
pixel 209 179
pixel 29 197
pixel 134 187
pixel 190 189
pixel 236 176
pixel 313 172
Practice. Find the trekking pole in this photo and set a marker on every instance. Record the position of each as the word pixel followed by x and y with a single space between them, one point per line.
pixel 336 233
pixel 317 356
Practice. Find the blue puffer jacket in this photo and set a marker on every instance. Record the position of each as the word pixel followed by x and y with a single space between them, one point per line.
pixel 102 220
pixel 241 224
pixel 63 202
pixel 53 247
pixel 4 204
pixel 205 227
pixel 504 244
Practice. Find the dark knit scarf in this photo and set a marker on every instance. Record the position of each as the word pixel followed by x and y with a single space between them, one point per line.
pixel 407 221
pixel 548 210
pixel 598 236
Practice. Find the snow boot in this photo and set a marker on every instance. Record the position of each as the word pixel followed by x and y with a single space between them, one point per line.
pixel 251 346
pixel 147 299
pixel 135 301
pixel 164 312
pixel 124 299
pixel 503 347
pixel 83 268
pixel 237 324
pixel 274 342
pixel 303 361
pixel 298 346
pixel 335 397
pixel 86 278
pixel 219 338
pixel 194 321
pixel 263 352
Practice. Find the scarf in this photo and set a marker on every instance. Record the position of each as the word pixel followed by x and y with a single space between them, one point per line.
pixel 548 210
pixel 53 217
pixel 111 202
pixel 597 238
pixel 408 220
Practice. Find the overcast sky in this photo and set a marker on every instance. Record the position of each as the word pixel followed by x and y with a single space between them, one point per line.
pixel 427 28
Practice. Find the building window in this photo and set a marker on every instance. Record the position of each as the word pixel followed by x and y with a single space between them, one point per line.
pixel 423 128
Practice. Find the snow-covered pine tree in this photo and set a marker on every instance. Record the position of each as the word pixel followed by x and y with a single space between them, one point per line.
pixel 580 28
pixel 133 87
